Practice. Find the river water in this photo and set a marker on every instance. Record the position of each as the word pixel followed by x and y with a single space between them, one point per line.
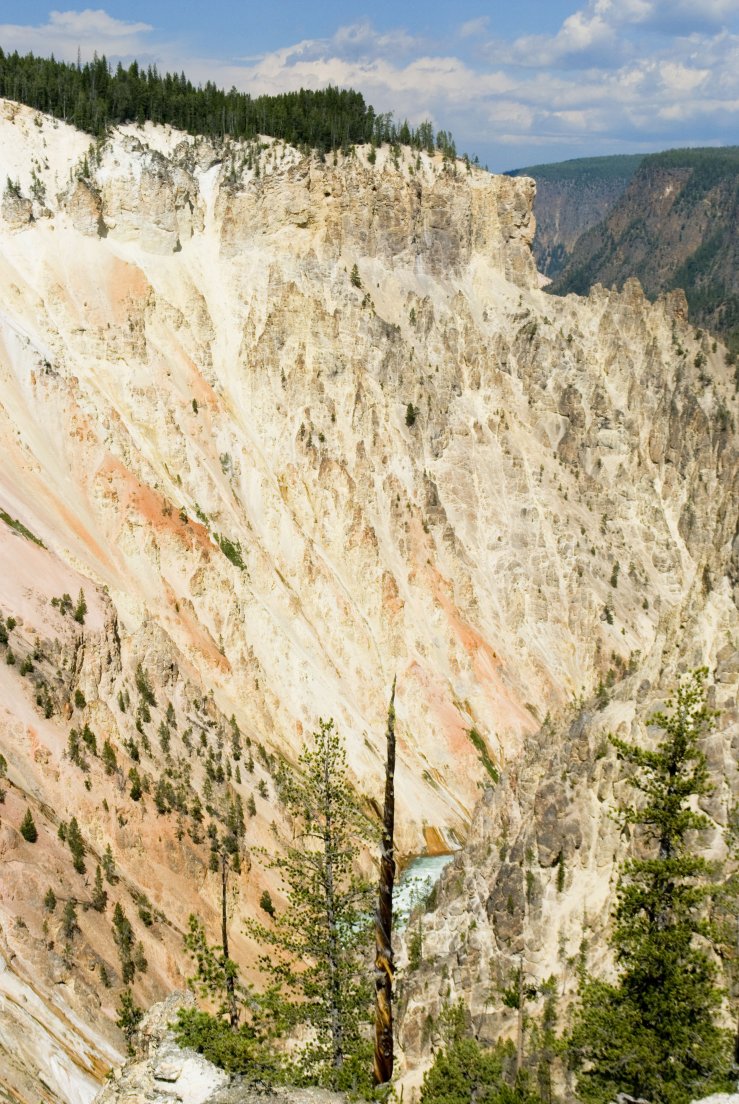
pixel 415 883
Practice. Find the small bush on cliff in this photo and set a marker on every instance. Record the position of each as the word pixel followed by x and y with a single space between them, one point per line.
pixel 28 829
pixel 239 1050
pixel 129 1017
pixel 465 1072
pixel 238 1035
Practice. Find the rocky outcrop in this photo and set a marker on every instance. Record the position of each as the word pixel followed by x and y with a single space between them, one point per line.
pixel 148 198
pixel 160 1071
pixel 85 209
pixel 17 211
pixel 425 221
pixel 533 887
pixel 571 197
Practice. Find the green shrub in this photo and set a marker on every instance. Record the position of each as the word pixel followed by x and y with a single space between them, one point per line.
pixel 20 528
pixel 70 927
pixel 415 949
pixel 465 1072
pixel 28 828
pixel 129 1015
pixel 80 609
pixel 109 758
pixel 136 789
pixel 231 550
pixel 479 744
pixel 144 686
pixel 265 902
pixel 239 1051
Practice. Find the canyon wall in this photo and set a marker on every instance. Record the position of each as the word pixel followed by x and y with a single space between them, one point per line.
pixel 294 426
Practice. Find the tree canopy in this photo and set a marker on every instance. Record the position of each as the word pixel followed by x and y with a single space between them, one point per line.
pixel 95 97
pixel 655 1032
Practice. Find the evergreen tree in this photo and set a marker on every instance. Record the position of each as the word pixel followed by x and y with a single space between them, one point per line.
pixel 76 845
pixel 464 1072
pixel 28 829
pixel 129 1017
pixel 654 1033
pixel 109 758
pixel 94 97
pixel 108 864
pixel 69 919
pixel 99 894
pixel 124 941
pixel 237 1036
pixel 320 945
pixel 80 610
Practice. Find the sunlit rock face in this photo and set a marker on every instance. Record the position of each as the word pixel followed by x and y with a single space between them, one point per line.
pixel 295 427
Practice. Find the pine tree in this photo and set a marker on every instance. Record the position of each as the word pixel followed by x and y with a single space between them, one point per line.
pixel 326 925
pixel 69 919
pixel 28 829
pixel 129 1017
pixel 238 1034
pixel 654 1033
pixel 76 845
pixel 123 938
pixel 99 894
pixel 109 758
pixel 80 610
pixel 108 864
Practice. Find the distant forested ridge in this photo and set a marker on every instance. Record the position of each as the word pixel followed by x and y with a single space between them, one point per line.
pixel 616 166
pixel 94 97
pixel 571 197
pixel 675 226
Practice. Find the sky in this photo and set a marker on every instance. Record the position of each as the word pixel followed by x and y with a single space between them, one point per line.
pixel 517 83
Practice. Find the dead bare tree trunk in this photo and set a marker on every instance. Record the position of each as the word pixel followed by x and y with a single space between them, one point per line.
pixel 383 1063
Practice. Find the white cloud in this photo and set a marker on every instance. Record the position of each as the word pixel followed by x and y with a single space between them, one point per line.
pixel 88 31
pixel 611 77
pixel 474 27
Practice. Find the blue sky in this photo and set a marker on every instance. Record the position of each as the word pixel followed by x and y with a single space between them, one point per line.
pixel 517 83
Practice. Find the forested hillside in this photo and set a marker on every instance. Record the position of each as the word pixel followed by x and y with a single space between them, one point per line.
pixel 94 97
pixel 674 227
pixel 572 196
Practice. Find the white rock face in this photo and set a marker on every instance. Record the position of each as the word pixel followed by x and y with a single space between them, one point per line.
pixel 159 1070
pixel 280 480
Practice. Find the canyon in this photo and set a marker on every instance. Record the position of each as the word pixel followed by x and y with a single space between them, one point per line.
pixel 293 426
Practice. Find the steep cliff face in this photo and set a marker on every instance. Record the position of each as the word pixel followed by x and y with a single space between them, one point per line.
pixel 572 197
pixel 293 427
pixel 533 888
